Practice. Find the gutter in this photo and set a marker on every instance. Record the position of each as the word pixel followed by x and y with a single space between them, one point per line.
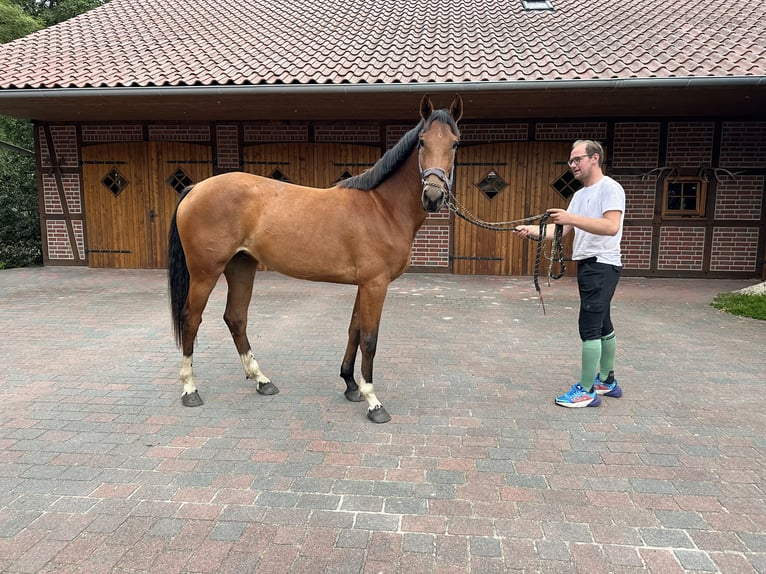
pixel 403 88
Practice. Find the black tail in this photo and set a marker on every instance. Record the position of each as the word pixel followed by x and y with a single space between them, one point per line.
pixel 178 275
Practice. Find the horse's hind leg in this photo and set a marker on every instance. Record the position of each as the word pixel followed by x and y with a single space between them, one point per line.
pixel 240 274
pixel 199 293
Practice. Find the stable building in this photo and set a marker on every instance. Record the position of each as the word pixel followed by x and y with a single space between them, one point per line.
pixel 126 116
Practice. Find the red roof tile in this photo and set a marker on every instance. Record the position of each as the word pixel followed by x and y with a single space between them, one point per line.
pixel 197 42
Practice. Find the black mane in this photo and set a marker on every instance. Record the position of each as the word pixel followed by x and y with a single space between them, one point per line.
pixel 394 158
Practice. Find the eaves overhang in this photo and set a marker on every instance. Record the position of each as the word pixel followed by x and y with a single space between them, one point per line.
pixel 692 96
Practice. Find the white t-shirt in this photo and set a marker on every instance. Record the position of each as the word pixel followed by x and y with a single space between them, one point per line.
pixel 593 201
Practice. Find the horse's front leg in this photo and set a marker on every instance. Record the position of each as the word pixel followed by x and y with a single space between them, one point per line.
pixel 349 357
pixel 371 298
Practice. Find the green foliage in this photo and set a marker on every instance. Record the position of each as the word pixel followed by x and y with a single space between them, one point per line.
pixel 742 304
pixel 14 22
pixel 20 241
pixel 50 12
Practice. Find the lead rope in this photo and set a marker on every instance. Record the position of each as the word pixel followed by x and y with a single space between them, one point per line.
pixel 557 254
pixel 557 250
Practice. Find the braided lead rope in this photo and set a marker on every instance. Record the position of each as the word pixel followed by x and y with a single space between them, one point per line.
pixel 557 254
pixel 455 207
pixel 557 249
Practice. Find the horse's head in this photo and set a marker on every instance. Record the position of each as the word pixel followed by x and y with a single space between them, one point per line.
pixel 437 144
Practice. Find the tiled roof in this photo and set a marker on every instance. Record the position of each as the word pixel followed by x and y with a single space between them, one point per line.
pixel 201 42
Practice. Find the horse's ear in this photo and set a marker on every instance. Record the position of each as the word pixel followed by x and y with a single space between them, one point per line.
pixel 456 109
pixel 426 107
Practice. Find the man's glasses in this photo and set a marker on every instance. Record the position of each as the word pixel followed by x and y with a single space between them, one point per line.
pixel 577 159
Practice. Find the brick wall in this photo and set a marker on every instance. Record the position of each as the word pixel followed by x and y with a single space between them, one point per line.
pixel 112 133
pixel 350 133
pixel 740 198
pixel 637 247
pixel 690 144
pixel 276 132
pixel 734 249
pixel 743 144
pixel 568 131
pixel 636 145
pixel 681 248
pixel 227 146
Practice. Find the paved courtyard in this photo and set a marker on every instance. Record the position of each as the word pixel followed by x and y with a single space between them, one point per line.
pixel 103 470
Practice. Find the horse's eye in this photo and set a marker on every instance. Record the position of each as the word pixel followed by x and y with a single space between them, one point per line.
pixel 421 143
pixel 455 145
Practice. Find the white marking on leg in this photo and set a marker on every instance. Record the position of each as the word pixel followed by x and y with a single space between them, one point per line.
pixel 252 370
pixel 187 377
pixel 368 392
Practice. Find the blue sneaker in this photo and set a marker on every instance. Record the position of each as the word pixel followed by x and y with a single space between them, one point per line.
pixel 578 397
pixel 608 390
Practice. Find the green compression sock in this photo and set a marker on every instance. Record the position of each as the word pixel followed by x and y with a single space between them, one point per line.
pixel 591 356
pixel 608 353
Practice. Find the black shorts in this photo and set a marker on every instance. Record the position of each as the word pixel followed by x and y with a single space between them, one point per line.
pixel 596 283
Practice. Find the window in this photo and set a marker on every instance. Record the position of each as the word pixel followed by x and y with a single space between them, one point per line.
pixel 684 197
pixel 537 4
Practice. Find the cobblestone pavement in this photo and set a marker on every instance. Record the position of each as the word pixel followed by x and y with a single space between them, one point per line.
pixel 103 470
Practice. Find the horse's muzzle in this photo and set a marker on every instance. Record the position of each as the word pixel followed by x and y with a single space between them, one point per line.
pixel 434 196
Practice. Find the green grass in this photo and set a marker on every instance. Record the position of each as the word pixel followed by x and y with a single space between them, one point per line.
pixel 743 305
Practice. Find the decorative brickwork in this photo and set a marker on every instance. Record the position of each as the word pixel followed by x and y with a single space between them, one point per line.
pixel 227 146
pixel 179 133
pixel 488 133
pixel 743 144
pixel 51 199
pixel 636 247
pixel 431 247
pixel 639 196
pixel 636 144
pixel 740 198
pixel 690 144
pixel 396 132
pixel 112 133
pixel 734 249
pixel 276 132
pixel 681 248
pixel 558 131
pixel 348 133
pixel 65 142
pixel 57 239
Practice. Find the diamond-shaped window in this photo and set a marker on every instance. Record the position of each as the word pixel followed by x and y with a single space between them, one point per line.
pixel 345 175
pixel 566 185
pixel 180 180
pixel 491 184
pixel 115 182
pixel 280 175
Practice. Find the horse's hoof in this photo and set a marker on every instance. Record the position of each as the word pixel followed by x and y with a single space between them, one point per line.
pixel 191 399
pixel 354 396
pixel 378 415
pixel 267 388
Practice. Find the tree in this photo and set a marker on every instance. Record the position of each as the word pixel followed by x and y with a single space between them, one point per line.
pixel 20 242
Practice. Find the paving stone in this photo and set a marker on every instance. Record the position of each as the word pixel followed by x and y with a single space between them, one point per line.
pixel 104 471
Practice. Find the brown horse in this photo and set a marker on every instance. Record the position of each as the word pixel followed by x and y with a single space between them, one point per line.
pixel 359 232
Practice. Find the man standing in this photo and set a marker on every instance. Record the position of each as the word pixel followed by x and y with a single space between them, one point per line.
pixel 596 214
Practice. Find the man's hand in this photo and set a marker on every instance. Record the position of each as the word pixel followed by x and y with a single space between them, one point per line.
pixel 529 231
pixel 560 216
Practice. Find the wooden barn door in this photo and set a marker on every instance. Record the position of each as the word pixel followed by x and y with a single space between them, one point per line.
pixel 115 182
pixel 312 165
pixel 503 183
pixel 130 195
pixel 173 166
